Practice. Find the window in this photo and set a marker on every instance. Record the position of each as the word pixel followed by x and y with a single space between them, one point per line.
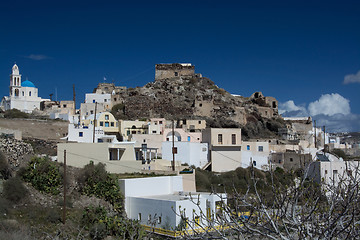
pixel 254 163
pixel 167 139
pixel 175 150
pixel 220 140
pixel 149 217
pixel 144 140
pixel 260 148
pixel 105 100
pixel 64 106
pixel 248 147
pixel 159 220
pixel 91 112
pixel 279 161
pixel 199 122
pixel 112 124
pixel 325 171
pixel 23 93
pixel 188 138
pixel 155 123
pixel 29 93
pixel 160 122
pixel 176 74
pixel 154 131
pixel 200 105
pixel 101 123
pixel 81 134
pixel 114 99
pixel 204 149
pixel 291 159
pixel 106 117
pixel 93 100
pixel 106 124
pixel 139 216
pixel 233 139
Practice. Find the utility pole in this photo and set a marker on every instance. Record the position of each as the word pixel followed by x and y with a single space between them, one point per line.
pixel 94 123
pixel 315 132
pixel 173 145
pixel 74 99
pixel 64 206
pixel 324 139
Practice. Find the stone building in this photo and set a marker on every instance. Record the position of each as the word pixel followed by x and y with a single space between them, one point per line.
pixel 164 71
pixel 108 88
pixel 268 106
pixel 290 160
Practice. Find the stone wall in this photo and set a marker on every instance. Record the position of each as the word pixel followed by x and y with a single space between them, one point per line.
pixel 14 149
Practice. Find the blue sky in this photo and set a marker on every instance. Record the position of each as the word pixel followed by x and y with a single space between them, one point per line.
pixel 298 51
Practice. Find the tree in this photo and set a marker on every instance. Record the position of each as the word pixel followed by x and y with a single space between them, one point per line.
pixel 300 209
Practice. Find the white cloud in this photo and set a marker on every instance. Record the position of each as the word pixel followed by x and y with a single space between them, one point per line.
pixel 352 78
pixel 330 104
pixel 37 57
pixel 290 106
pixel 331 110
pixel 339 122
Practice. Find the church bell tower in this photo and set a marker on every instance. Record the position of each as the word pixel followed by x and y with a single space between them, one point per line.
pixel 15 81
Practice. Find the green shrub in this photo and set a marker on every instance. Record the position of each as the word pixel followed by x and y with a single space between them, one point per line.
pixel 95 181
pixel 14 190
pixel 100 224
pixel 339 153
pixel 98 231
pixel 43 174
pixel 15 113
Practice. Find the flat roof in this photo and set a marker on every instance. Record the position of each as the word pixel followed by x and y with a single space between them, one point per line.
pixel 181 196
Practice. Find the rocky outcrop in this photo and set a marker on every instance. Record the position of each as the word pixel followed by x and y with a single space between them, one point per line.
pixel 188 97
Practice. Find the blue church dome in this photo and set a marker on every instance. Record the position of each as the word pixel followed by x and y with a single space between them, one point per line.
pixel 27 83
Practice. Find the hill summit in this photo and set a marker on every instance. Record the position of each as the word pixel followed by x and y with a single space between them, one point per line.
pixel 179 93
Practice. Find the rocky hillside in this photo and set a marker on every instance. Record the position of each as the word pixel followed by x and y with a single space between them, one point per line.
pixel 198 97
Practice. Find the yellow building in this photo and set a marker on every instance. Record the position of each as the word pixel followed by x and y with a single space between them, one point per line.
pixel 104 120
pixel 127 128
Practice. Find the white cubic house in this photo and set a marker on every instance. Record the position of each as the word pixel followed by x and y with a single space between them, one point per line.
pixel 161 202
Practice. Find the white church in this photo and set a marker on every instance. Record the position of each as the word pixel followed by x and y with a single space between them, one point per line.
pixel 23 95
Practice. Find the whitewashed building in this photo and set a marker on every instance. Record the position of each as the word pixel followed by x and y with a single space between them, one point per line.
pixel 161 202
pixel 23 95
pixel 191 153
pixel 329 169
pixel 256 154
pixel 80 133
